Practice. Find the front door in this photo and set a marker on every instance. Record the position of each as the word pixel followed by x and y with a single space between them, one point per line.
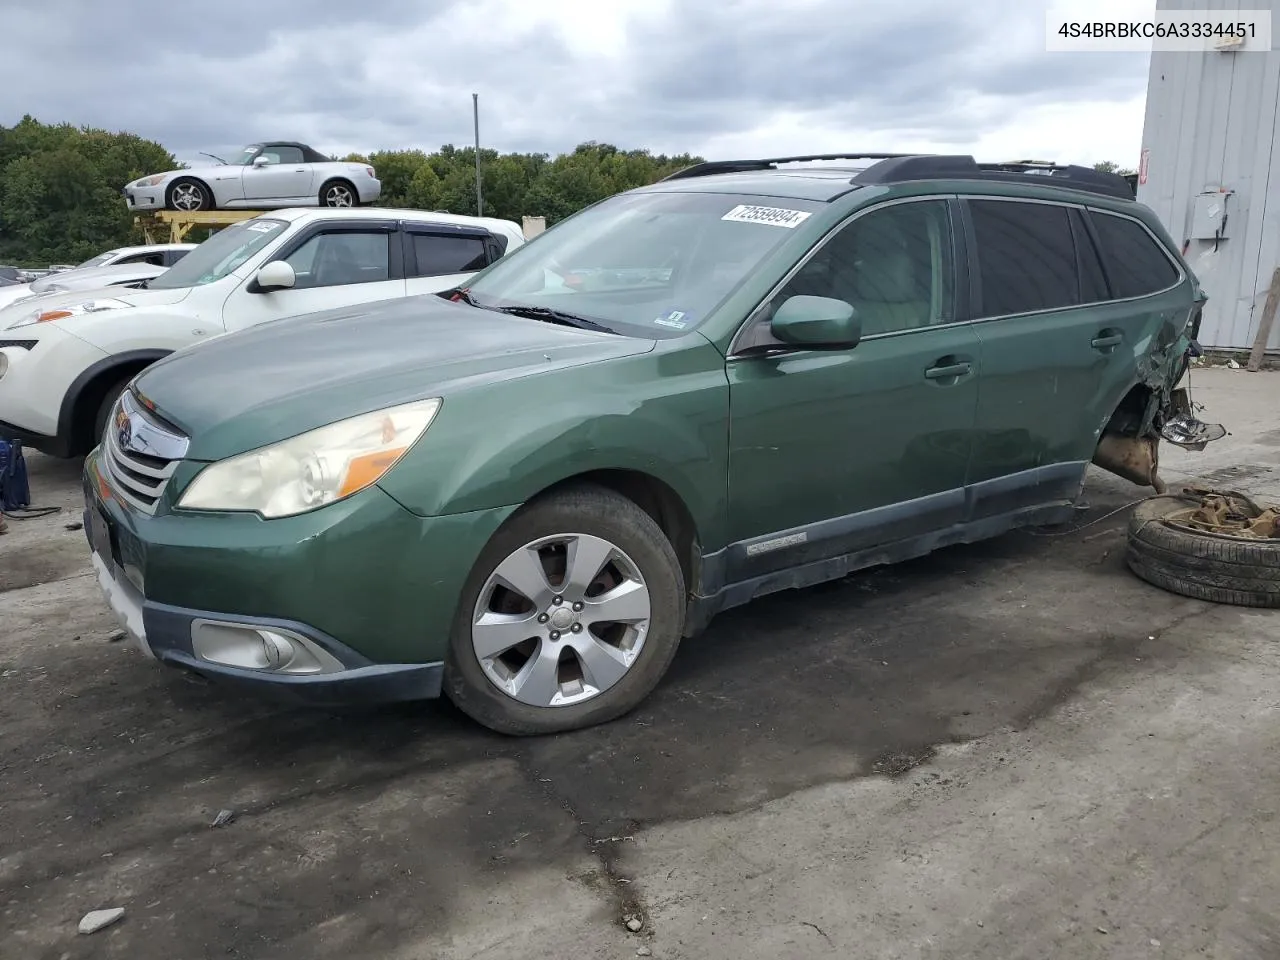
pixel 337 265
pixel 835 451
pixel 284 177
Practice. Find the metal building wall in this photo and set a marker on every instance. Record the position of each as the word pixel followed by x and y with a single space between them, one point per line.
pixel 1211 124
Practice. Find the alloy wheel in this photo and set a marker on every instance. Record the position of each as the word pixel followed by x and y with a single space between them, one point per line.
pixel 188 197
pixel 561 620
pixel 338 196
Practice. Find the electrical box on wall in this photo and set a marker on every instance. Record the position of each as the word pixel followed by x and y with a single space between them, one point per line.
pixel 1209 215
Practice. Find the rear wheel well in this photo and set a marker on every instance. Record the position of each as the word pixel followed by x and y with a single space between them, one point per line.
pixel 656 499
pixel 1131 411
pixel 85 411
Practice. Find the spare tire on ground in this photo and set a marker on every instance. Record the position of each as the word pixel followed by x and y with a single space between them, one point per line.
pixel 1209 545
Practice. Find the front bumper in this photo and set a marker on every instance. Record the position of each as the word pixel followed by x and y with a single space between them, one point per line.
pixel 165 633
pixel 367 586
pixel 43 364
pixel 144 199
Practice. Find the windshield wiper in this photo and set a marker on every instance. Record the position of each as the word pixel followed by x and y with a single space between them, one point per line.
pixel 555 316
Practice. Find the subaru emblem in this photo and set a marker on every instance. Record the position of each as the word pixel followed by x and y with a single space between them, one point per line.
pixel 124 430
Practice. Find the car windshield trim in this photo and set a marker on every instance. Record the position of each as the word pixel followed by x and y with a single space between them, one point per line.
pixel 652 264
pixel 220 255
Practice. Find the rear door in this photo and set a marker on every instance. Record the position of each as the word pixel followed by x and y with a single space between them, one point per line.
pixel 336 264
pixel 1045 346
pixel 439 257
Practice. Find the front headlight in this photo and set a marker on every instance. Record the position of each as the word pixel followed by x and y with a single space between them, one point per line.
pixel 58 313
pixel 148 181
pixel 313 469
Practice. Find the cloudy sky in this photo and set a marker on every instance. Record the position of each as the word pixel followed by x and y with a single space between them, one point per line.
pixel 718 78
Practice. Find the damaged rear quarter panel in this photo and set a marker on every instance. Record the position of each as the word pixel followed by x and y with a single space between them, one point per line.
pixel 1157 336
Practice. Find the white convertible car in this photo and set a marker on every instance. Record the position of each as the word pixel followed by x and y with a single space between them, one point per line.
pixel 264 176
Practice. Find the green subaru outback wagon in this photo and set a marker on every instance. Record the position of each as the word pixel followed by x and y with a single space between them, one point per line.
pixel 749 377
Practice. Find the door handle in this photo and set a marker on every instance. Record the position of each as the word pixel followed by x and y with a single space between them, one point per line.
pixel 1106 340
pixel 947 371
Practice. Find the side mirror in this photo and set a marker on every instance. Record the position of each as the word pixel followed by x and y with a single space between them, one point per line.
pixel 277 275
pixel 261 161
pixel 817 322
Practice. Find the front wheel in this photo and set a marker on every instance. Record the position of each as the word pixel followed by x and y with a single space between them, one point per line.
pixel 570 617
pixel 189 196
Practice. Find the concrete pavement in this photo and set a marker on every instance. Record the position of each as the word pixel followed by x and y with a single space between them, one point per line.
pixel 1014 749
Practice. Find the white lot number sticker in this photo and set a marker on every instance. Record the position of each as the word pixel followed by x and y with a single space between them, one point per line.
pixel 774 216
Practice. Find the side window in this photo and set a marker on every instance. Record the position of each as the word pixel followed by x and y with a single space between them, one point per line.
pixel 1026 257
pixel 439 253
pixel 173 256
pixel 155 259
pixel 285 155
pixel 1135 262
pixel 893 264
pixel 340 258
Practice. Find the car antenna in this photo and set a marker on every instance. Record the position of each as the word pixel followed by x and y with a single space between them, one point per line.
pixel 219 159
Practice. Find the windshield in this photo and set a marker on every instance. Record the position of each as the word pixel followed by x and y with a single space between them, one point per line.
pixel 247 154
pixel 219 255
pixel 97 261
pixel 645 264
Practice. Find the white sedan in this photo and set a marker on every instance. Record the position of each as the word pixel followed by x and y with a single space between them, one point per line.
pixel 264 176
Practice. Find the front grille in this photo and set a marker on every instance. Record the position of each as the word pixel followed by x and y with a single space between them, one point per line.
pixel 139 454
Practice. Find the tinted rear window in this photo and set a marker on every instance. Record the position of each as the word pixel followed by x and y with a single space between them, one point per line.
pixel 1135 262
pixel 439 254
pixel 1026 257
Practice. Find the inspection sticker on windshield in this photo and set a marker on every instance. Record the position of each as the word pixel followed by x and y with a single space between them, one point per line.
pixel 678 319
pixel 262 227
pixel 774 216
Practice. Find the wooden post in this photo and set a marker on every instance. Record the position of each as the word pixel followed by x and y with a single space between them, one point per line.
pixel 1265 324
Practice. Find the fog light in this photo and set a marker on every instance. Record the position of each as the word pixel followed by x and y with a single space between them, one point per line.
pixel 277 650
pixel 268 649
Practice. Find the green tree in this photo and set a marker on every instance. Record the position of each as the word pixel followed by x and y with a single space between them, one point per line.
pixel 60 184
pixel 1107 166
pixel 60 189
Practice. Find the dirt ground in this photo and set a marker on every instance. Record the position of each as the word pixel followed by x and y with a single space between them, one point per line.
pixel 1012 750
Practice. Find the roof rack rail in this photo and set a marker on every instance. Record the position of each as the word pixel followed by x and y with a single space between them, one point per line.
pixel 709 167
pixel 933 167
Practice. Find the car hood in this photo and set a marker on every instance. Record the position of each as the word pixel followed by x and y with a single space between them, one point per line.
pixel 69 298
pixel 188 171
pixel 89 277
pixel 241 391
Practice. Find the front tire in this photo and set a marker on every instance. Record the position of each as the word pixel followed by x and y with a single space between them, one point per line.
pixel 103 413
pixel 339 193
pixel 570 617
pixel 188 196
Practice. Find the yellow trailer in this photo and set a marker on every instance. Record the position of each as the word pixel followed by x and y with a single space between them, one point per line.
pixel 172 226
